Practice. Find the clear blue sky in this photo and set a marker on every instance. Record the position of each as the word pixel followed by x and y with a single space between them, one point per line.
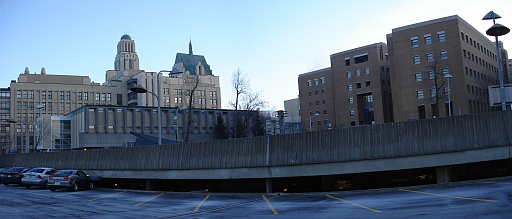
pixel 273 41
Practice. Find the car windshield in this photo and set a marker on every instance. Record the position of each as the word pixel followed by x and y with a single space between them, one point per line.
pixel 36 170
pixel 64 172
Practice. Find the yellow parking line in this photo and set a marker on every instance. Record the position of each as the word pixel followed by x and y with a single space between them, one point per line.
pixel 94 199
pixel 201 203
pixel 449 196
pixel 269 205
pixel 140 203
pixel 352 203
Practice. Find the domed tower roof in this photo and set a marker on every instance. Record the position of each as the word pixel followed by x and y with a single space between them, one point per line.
pixel 126 37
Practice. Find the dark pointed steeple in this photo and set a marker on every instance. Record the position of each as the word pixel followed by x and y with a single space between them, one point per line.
pixel 190 47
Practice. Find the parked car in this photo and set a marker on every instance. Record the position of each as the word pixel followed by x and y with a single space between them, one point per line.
pixel 2 170
pixel 37 177
pixel 70 179
pixel 13 175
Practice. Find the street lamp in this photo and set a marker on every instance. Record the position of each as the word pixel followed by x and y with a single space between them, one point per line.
pixel 316 114
pixel 176 122
pixel 449 90
pixel 497 30
pixel 26 148
pixel 140 89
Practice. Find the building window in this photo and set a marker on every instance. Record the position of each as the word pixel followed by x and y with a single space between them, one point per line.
pixel 103 96
pixel 324 101
pixel 109 97
pixel 86 95
pixel 309 93
pixel 316 81
pixel 431 75
pixel 18 94
pixel 325 112
pixel 316 92
pixel 178 100
pixel 428 39
pixel 31 94
pixel 25 94
pixel 323 90
pixel 317 102
pixel 68 95
pixel 349 74
pixel 367 83
pixel 441 37
pixel 367 71
pixel 418 76
pixel 358 85
pixel 79 95
pixel 43 94
pixel 97 97
pixel 61 95
pixel 352 112
pixel 347 62
pixel 444 54
pixel 430 57
pixel 350 100
pixel 416 60
pixel 310 104
pixel 358 73
pixel 349 87
pixel 433 92
pixel 446 71
pixel 414 42
pixel 419 94
pixel 322 80
pixel 361 58
pixel 309 83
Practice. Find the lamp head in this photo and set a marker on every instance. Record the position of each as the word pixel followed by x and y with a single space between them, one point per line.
pixel 497 30
pixel 138 89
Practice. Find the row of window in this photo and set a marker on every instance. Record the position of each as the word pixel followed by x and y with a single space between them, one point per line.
pixel 358 85
pixel 358 72
pixel 200 93
pixel 477 90
pixel 431 74
pixel 478 46
pixel 316 92
pixel 480 76
pixel 322 80
pixel 430 57
pixel 433 92
pixel 178 100
pixel 427 39
pixel 324 101
pixel 64 95
pixel 479 61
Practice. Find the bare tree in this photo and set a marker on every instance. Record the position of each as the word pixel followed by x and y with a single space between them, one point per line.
pixel 436 72
pixel 193 81
pixel 241 86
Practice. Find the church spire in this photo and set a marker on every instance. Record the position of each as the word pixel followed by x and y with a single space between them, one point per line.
pixel 190 47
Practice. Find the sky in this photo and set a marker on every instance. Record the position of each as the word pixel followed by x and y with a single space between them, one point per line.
pixel 272 42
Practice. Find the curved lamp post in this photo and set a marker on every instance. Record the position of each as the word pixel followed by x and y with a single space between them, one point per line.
pixel 498 30
pixel 140 89
pixel 176 121
pixel 449 91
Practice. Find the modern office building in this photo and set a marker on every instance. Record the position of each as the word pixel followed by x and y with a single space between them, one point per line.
pixel 62 94
pixel 316 99
pixel 362 89
pixel 355 90
pixel 103 126
pixel 425 57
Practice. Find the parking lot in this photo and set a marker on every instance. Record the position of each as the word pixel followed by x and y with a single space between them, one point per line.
pixel 490 198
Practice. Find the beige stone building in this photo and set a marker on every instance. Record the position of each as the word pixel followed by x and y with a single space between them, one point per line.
pixel 316 99
pixel 62 94
pixel 421 57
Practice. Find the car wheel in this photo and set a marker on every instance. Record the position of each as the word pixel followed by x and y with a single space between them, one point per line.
pixel 45 185
pixel 53 189
pixel 91 186
pixel 27 186
pixel 74 188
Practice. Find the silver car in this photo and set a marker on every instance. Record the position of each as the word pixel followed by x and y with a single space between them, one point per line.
pixel 37 177
pixel 70 179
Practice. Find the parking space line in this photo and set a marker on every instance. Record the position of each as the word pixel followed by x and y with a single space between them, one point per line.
pixel 94 199
pixel 140 203
pixel 352 203
pixel 201 203
pixel 269 205
pixel 448 196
